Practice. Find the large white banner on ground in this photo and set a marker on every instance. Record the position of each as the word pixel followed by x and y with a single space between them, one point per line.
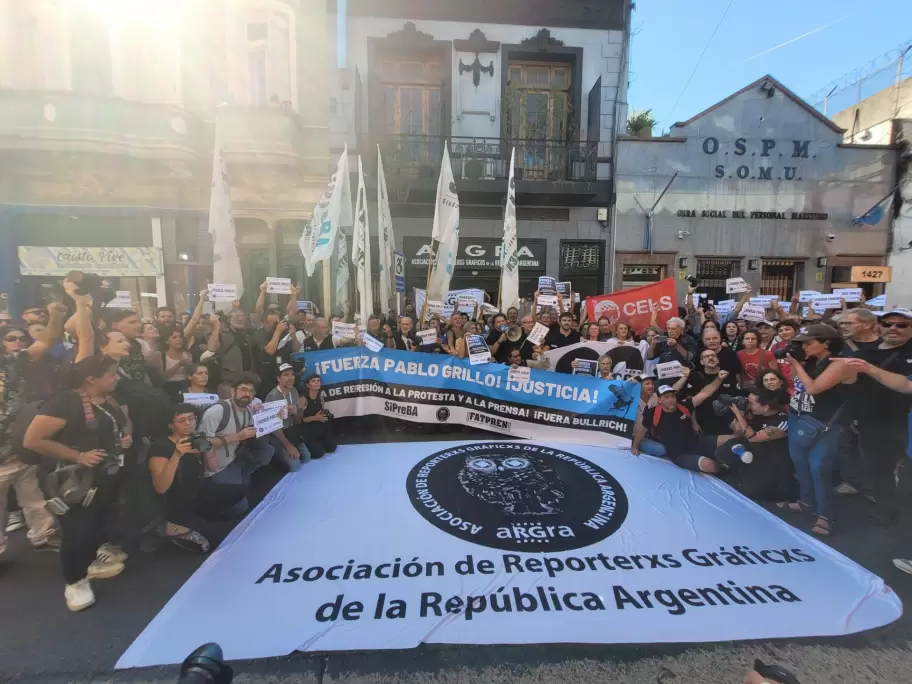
pixel 442 389
pixel 507 543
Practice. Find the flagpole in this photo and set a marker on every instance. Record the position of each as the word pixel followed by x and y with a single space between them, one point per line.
pixel 427 282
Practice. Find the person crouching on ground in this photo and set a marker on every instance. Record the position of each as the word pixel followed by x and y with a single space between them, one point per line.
pixel 290 449
pixel 316 421
pixel 177 470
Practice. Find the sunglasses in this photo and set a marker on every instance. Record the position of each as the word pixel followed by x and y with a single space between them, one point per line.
pixel 14 338
pixel 901 326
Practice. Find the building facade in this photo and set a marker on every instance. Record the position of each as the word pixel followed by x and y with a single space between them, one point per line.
pixel 546 79
pixel 760 186
pixel 885 118
pixel 108 117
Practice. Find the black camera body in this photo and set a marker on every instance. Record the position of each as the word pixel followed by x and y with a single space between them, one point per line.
pixel 795 349
pixel 200 442
pixel 328 414
pixel 724 404
pixel 93 285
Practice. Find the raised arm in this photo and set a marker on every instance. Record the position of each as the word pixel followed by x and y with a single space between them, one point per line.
pixel 261 301
pixel 894 381
pixel 82 322
pixel 836 373
pixel 195 317
pixel 707 392
pixel 52 333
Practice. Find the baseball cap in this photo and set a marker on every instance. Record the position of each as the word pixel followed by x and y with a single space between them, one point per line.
pixel 898 311
pixel 665 388
pixel 766 323
pixel 285 366
pixel 817 331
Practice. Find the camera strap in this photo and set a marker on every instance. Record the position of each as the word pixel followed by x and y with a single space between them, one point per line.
pixel 88 412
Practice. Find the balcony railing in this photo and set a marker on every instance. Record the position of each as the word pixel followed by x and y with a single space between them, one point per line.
pixel 418 156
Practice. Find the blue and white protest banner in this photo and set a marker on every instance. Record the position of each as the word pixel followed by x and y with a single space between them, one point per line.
pixel 507 542
pixel 435 389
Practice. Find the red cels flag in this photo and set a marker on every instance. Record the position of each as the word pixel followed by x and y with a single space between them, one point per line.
pixel 634 306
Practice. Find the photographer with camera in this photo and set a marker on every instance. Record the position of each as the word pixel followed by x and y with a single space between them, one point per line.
pixel 236 451
pixel 177 469
pixel 234 350
pixel 316 421
pixel 786 329
pixel 674 346
pixel 276 343
pixel 87 431
pixel 820 411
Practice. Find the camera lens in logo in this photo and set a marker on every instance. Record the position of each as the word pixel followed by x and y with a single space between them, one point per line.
pixel 517 496
pixel 443 414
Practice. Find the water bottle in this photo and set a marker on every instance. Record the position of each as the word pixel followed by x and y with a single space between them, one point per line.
pixel 741 452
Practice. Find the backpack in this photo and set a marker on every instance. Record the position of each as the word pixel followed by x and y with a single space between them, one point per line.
pixel 657 414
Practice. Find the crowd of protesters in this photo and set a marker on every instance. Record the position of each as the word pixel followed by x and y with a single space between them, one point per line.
pixel 113 427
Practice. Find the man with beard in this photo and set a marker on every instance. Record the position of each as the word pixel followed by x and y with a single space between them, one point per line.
pixel 859 330
pixel 711 423
pixel 728 358
pixel 236 451
pixel 235 350
pixel 882 410
pixel 404 338
pixel 564 335
pixel 319 338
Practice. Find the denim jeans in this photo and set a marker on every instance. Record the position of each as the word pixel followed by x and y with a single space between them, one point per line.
pixel 650 447
pixel 814 467
pixel 289 465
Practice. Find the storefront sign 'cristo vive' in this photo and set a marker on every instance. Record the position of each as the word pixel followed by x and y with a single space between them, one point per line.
pixel 433 389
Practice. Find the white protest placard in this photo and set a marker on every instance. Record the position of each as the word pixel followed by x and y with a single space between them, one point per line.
pixel 519 374
pixel 200 398
pixel 586 367
pixel 488 309
pixel 222 292
pixel 823 302
pixel 276 405
pixel 466 299
pixel 547 300
pixel 538 335
pixel 880 301
pixel 563 287
pixel 546 285
pixel 372 342
pixel 427 336
pixel 763 300
pixel 278 285
pixel 122 300
pixel 478 349
pixel 344 330
pixel 576 297
pixel 850 294
pixel 697 298
pixel 267 421
pixel 307 307
pixel 805 296
pixel 751 312
pixel 735 285
pixel 435 307
pixel 672 369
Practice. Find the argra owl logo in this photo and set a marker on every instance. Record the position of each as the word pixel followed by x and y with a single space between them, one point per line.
pixel 517 496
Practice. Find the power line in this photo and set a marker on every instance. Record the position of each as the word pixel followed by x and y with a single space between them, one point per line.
pixel 702 54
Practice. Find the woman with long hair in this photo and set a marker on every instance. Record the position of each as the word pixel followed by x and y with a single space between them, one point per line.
pixel 819 413
pixel 176 360
pixel 149 340
pixel 198 379
pixel 753 359
pixel 772 380
pixel 731 336
pixel 86 430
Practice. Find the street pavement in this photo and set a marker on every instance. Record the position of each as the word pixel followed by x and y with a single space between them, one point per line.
pixel 43 642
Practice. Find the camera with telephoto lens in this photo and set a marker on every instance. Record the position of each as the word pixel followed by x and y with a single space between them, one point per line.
pixel 724 403
pixel 93 285
pixel 693 280
pixel 795 349
pixel 200 442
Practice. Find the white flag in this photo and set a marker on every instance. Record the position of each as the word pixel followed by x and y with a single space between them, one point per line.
pixel 387 239
pixel 318 240
pixel 509 263
pixel 342 274
pixel 226 266
pixel 445 242
pixel 361 258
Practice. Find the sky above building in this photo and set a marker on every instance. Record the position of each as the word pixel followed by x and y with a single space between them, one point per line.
pixel 808 45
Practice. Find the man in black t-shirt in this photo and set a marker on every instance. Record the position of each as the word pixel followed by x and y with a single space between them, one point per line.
pixel 728 358
pixel 859 329
pixel 564 335
pixel 670 423
pixel 319 339
pixel 710 422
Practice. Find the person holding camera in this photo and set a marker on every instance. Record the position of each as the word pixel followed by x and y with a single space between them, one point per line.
pixel 177 469
pixel 234 350
pixel 819 413
pixel 316 421
pixel 88 432
pixel 319 338
pixel 236 452
pixel 674 346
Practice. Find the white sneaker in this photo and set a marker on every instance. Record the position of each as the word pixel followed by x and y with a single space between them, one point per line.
pixel 903 564
pixel 15 521
pixel 846 489
pixel 79 596
pixel 102 569
pixel 110 552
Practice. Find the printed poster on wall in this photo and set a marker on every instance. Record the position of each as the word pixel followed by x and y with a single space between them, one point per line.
pixel 507 542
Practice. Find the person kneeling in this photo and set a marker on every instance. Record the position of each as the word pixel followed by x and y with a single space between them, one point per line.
pixel 290 449
pixel 177 470
pixel 316 421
